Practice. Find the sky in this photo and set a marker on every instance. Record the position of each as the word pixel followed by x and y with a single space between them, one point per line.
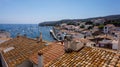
pixel 37 11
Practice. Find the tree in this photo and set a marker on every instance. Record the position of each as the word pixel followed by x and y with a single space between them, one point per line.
pixel 97 24
pixel 70 23
pixel 90 27
pixel 88 23
pixel 101 26
pixel 82 26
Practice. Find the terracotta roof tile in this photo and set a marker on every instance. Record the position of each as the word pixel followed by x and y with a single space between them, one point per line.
pixel 23 48
pixel 87 57
pixel 51 52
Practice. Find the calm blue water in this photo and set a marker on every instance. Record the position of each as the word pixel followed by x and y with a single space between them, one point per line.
pixel 32 30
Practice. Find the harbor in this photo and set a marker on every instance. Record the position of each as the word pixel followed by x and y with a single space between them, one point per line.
pixel 30 30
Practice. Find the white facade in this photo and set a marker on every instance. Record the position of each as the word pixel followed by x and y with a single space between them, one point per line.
pixel 98 21
pixel 115 44
pixel 63 25
pixel 105 29
pixel 90 44
pixel 87 26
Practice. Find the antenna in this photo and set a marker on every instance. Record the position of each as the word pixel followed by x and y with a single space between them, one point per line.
pixel 38 29
pixel 31 31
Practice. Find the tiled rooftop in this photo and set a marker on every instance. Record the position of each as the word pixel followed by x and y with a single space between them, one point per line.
pixel 110 25
pixel 87 57
pixel 50 53
pixel 23 48
pixel 4 39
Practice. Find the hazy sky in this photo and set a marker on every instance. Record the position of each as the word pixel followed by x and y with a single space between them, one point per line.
pixel 36 11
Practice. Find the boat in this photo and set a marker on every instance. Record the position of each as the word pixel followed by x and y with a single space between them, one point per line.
pixel 54 36
pixel 57 35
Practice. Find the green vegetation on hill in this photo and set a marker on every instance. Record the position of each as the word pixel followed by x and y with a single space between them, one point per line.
pixel 101 26
pixel 82 26
pixel 112 19
pixel 115 22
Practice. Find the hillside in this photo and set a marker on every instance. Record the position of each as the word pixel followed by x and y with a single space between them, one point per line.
pixel 107 18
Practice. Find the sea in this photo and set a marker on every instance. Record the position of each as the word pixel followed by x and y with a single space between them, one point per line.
pixel 31 30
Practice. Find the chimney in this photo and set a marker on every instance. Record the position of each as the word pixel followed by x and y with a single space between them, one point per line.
pixel 67 44
pixel 40 59
pixel 40 37
pixel 72 45
pixel 77 45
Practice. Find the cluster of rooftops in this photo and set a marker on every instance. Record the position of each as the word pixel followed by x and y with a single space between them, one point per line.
pixel 18 50
pixel 25 52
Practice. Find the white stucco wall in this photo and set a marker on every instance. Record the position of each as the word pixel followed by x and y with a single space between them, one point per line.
pixel 114 44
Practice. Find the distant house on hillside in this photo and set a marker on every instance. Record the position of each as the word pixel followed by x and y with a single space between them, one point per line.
pixel 69 27
pixel 95 28
pixel 82 23
pixel 98 21
pixel 77 28
pixel 87 26
pixel 108 28
pixel 63 25
pixel 78 23
pixel 87 33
